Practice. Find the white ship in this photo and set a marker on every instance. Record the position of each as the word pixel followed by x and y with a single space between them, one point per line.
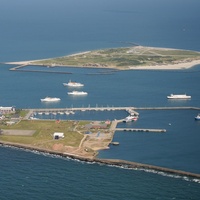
pixel 130 118
pixel 73 84
pixel 179 96
pixel 50 99
pixel 197 117
pixel 77 93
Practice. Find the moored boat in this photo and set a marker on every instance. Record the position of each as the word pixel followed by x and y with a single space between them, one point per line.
pixel 73 84
pixel 197 117
pixel 130 118
pixel 77 93
pixel 50 99
pixel 179 96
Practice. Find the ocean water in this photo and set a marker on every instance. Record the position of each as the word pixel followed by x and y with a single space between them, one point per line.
pixel 36 30
pixel 26 175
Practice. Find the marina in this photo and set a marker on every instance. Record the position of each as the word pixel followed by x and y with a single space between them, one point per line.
pixel 129 110
pixel 67 111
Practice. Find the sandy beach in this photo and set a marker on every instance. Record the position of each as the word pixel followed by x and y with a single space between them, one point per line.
pixel 181 65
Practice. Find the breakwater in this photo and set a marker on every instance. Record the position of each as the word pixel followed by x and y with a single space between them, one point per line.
pixel 115 162
pixel 41 71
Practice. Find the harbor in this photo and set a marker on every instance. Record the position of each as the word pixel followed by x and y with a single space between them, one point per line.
pixel 131 111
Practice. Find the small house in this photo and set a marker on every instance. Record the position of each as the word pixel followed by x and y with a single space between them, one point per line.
pixel 58 135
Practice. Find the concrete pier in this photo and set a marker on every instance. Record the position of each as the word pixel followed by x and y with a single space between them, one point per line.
pixel 141 130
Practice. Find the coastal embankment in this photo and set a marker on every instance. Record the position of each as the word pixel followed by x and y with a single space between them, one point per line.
pixel 113 162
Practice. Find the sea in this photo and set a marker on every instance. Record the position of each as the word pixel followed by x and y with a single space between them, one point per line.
pixel 42 29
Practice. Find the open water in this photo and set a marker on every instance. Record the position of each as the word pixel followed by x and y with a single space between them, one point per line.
pixel 35 30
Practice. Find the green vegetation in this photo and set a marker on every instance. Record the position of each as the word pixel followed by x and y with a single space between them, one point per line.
pixel 21 113
pixel 123 58
pixel 43 136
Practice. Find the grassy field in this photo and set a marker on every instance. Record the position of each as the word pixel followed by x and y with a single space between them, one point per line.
pixel 122 58
pixel 43 136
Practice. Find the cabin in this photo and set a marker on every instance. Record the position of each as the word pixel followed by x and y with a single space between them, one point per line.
pixel 5 110
pixel 58 135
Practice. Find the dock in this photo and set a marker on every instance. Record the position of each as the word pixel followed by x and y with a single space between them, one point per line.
pixel 129 110
pixel 141 130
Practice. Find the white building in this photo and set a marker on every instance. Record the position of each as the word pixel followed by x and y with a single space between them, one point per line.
pixel 58 135
pixel 4 110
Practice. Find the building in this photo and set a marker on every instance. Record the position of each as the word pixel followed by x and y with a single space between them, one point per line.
pixel 58 135
pixel 6 110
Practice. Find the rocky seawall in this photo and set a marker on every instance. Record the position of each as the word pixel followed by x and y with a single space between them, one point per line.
pixel 114 162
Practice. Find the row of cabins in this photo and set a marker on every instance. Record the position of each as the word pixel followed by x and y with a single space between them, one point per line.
pixel 6 110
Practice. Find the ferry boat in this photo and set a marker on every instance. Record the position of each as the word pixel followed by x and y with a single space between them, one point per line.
pixel 73 84
pixel 50 99
pixel 130 118
pixel 197 117
pixel 77 93
pixel 179 96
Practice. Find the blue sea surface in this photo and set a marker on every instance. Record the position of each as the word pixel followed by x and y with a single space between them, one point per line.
pixel 39 29
pixel 26 175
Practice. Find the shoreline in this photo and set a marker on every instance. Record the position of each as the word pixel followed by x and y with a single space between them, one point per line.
pixel 177 66
pixel 113 162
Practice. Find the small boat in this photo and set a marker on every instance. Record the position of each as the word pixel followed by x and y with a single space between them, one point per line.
pixel 130 118
pixel 77 93
pixel 73 84
pixel 61 113
pixel 50 99
pixel 115 143
pixel 33 118
pixel 67 112
pixel 178 96
pixel 197 117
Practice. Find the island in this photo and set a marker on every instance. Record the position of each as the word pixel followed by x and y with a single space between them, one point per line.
pixel 124 58
pixel 67 138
